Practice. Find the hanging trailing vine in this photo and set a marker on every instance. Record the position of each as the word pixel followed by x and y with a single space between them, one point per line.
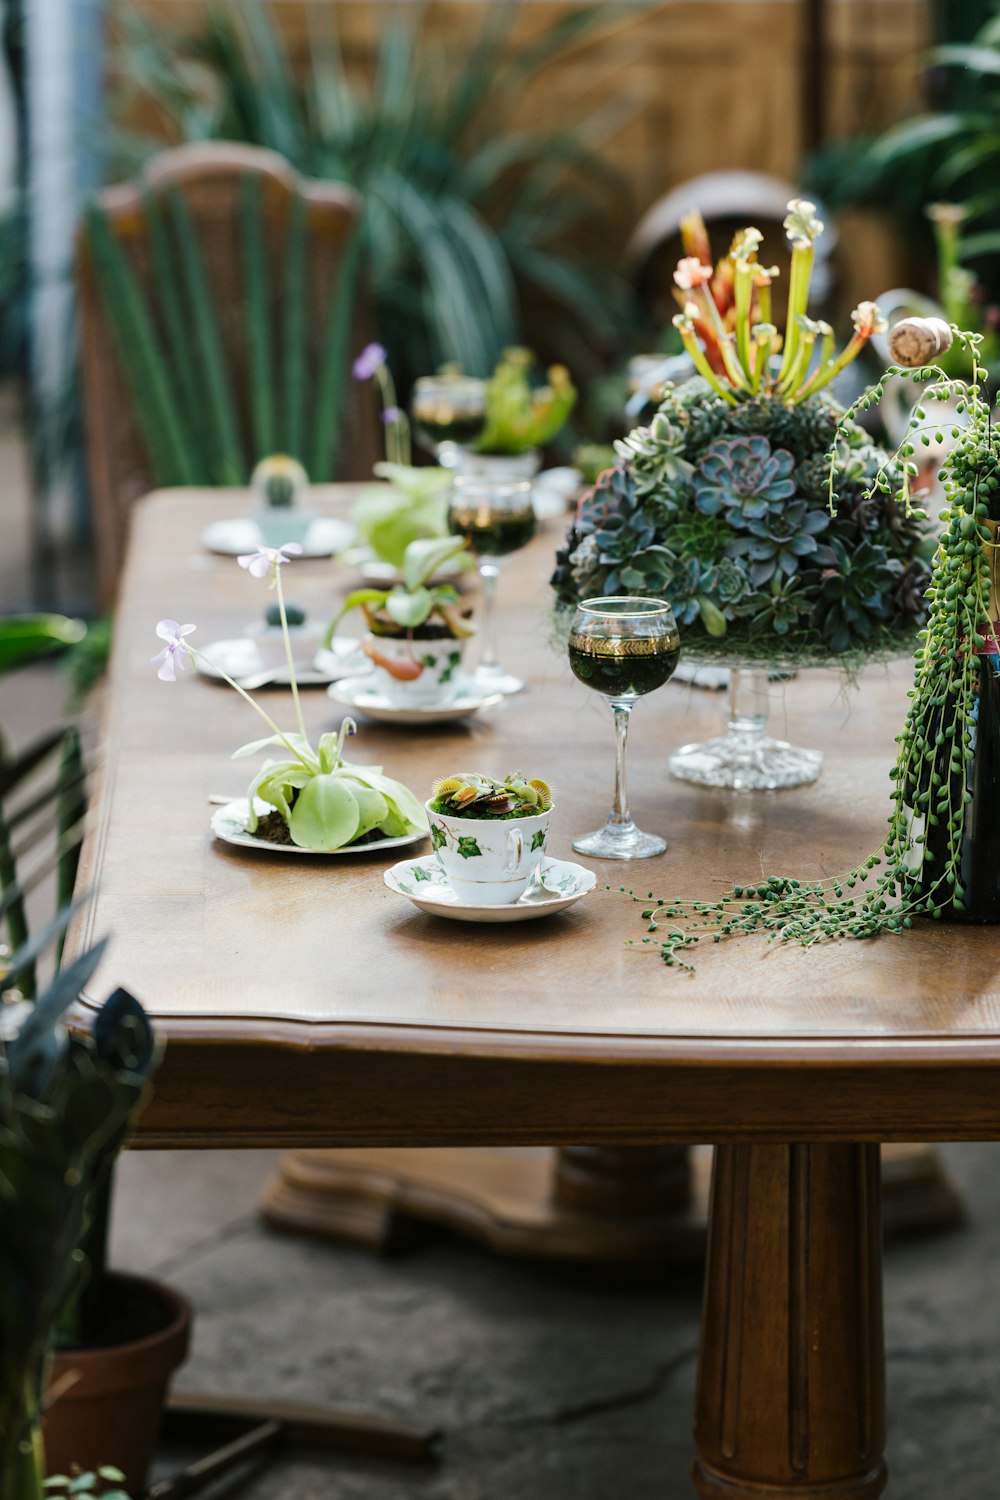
pixel 916 870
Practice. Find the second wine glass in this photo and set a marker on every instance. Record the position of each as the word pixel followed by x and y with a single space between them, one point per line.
pixel 496 518
pixel 623 647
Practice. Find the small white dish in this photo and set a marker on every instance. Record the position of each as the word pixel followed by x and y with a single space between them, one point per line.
pixel 241 658
pixel 326 535
pixel 422 881
pixel 229 823
pixel 387 575
pixel 367 696
pixel 553 490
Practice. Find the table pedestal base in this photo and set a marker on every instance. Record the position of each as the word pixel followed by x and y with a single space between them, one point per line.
pixel 791 1373
pixel 585 1203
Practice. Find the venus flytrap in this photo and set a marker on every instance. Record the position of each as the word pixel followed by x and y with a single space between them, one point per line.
pixel 318 799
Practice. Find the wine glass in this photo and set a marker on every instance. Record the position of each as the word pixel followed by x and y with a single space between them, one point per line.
pixel 496 517
pixel 623 648
pixel 449 414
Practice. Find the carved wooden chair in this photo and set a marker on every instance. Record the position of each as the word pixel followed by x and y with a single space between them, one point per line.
pixel 220 306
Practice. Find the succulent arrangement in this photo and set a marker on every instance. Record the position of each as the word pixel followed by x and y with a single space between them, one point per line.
pixel 320 800
pixel 470 795
pixel 520 414
pixel 917 871
pixel 721 506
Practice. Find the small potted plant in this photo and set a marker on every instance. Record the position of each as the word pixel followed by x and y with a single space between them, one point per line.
pixel 417 632
pixel 520 417
pixel 312 797
pixel 279 484
pixel 66 1100
pixel 489 835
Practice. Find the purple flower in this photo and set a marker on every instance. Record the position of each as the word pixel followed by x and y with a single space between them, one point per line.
pixel 260 563
pixel 173 654
pixel 391 414
pixel 368 361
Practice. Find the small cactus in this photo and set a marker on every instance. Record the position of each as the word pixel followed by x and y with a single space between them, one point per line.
pixel 279 481
pixel 468 795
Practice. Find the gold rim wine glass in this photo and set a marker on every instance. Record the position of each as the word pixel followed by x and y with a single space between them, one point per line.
pixel 449 414
pixel 622 647
pixel 496 517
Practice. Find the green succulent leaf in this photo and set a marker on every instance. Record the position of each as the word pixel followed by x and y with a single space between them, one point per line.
pixel 409 609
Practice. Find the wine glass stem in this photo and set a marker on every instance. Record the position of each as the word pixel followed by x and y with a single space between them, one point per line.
pixel 620 815
pixel 489 572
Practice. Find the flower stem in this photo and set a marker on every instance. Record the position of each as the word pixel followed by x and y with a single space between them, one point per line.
pixel 288 651
pixel 197 655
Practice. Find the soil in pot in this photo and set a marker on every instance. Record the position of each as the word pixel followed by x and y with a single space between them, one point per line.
pixel 109 1396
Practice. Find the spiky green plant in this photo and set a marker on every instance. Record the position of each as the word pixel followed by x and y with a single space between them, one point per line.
pixel 168 339
pixel 466 213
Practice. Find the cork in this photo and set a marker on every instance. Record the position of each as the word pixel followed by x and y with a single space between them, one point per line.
pixel 919 341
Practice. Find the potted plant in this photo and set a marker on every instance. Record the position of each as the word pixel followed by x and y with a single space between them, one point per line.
pixel 279 484
pixel 416 631
pixel 489 834
pixel 311 796
pixel 939 858
pixel 521 416
pixel 720 505
pixel 66 1100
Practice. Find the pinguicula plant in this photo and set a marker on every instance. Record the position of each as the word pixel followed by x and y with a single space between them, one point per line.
pixel 719 506
pixel 416 504
pixel 919 869
pixel 416 615
pixel 469 795
pixel 318 799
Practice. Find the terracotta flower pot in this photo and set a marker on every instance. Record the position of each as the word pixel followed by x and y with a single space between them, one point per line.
pixel 110 1413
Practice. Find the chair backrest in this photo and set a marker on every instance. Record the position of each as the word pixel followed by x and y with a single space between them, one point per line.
pixel 221 301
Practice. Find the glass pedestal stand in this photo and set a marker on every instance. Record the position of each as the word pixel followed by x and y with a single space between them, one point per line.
pixel 747 759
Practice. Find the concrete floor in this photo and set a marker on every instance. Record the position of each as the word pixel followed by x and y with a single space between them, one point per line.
pixel 551 1384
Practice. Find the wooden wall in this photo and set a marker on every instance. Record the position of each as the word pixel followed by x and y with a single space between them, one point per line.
pixel 678 87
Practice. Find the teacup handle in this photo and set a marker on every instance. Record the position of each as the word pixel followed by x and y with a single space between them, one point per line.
pixel 515 849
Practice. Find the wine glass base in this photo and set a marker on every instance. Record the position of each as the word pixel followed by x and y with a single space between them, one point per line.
pixel 618 842
pixel 741 763
pixel 490 680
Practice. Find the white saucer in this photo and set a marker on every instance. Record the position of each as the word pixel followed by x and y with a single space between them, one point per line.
pixel 326 535
pixel 229 823
pixel 365 695
pixel 386 574
pixel 241 658
pixel 422 882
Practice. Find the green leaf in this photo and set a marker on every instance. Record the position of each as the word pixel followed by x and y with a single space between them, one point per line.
pixel 538 839
pixel 982 60
pixel 438 836
pixel 409 610
pixel 712 617
pixel 326 814
pixel 467 847
pixel 23 637
pixel 424 557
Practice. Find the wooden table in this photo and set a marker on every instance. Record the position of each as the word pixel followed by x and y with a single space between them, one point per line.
pixel 305 1005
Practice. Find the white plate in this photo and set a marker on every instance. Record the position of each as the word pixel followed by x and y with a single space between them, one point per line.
pixel 229 823
pixel 365 695
pixel 386 574
pixel 241 658
pixel 325 536
pixel 422 882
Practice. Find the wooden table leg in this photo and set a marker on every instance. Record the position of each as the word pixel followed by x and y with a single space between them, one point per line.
pixel 791 1376
pixel 598 1204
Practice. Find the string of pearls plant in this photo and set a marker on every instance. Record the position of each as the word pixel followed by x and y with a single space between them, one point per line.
pixel 903 878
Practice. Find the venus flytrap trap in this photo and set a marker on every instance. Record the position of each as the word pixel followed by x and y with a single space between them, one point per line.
pixel 317 799
pixel 934 861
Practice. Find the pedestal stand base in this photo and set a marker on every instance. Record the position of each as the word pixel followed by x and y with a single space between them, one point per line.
pixel 610 1207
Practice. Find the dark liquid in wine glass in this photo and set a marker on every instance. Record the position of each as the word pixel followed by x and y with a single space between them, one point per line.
pixel 446 425
pixel 623 666
pixel 493 533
